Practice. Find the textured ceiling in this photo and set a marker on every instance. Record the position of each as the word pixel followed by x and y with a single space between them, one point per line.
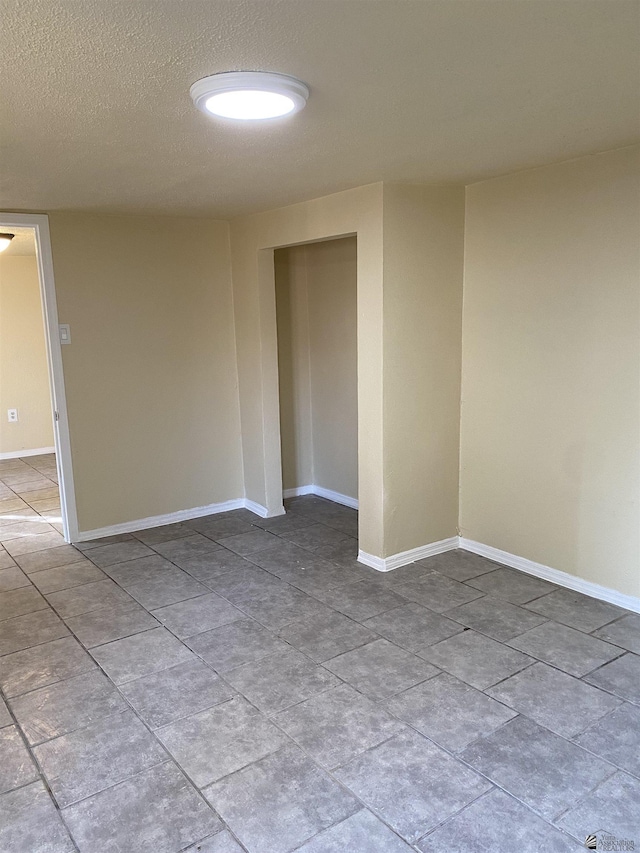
pixel 96 115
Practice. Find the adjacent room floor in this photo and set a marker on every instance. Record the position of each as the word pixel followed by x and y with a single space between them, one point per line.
pixel 233 683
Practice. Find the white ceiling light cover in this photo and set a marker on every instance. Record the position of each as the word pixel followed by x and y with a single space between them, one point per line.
pixel 249 95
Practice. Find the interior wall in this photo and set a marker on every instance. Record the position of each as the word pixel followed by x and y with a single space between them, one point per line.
pixel 24 373
pixel 253 239
pixel 316 299
pixel 423 277
pixel 150 375
pixel 550 452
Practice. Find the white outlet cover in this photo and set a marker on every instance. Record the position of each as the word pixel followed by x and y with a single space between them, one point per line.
pixel 12 416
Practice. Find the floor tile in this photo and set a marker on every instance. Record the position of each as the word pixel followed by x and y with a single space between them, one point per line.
pixel 243 581
pixel 187 548
pixel 23 529
pixel 565 648
pixel 476 659
pixel 65 577
pixel 136 656
pixel 214 527
pixel 554 699
pixel 105 540
pixel 614 807
pixel 496 618
pixel 103 626
pixel 282 555
pixel 49 558
pixel 279 802
pixel 158 810
pixel 12 578
pixel 458 564
pixel 314 577
pixel 449 712
pixel 337 725
pixel 101 595
pixel 283 523
pixel 280 680
pixel 380 669
pixel 142 569
pixel 360 833
pixel 248 543
pixel 17 602
pixel 326 635
pixel 514 586
pixel 438 593
pixel 314 536
pixel 616 738
pixel 220 740
pixel 621 676
pixel 275 603
pixel 29 630
pixel 16 765
pixel 66 706
pixel 119 552
pixel 6 562
pixel 179 691
pixel 5 716
pixel 411 783
pixel 564 773
pixel 93 758
pixel 206 567
pixel 235 644
pixel 31 544
pixel 42 665
pixel 30 818
pixel 166 533
pixel 361 600
pixel 575 610
pixel 343 553
pixel 625 633
pixel 169 588
pixel 221 842
pixel 413 626
pixel 496 823
pixel 412 573
pixel 196 615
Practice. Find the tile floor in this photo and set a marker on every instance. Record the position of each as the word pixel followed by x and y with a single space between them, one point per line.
pixel 233 684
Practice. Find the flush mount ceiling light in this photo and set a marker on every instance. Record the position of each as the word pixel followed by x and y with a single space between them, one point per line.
pixel 5 241
pixel 249 95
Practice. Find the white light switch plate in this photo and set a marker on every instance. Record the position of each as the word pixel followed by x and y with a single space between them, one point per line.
pixel 65 333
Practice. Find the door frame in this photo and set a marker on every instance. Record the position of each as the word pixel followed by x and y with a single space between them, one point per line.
pixel 40 224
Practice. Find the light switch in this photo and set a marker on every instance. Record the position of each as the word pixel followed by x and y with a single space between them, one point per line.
pixel 65 333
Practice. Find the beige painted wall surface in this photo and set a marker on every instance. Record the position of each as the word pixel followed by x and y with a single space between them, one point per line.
pixel 550 461
pixel 316 295
pixel 150 374
pixel 293 366
pixel 423 273
pixel 24 374
pixel 358 212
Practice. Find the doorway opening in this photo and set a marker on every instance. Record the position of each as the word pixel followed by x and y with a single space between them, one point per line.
pixel 36 483
pixel 316 318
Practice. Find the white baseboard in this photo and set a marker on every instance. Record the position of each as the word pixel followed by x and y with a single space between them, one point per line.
pixel 18 454
pixel 593 590
pixel 321 492
pixel 262 511
pixel 403 558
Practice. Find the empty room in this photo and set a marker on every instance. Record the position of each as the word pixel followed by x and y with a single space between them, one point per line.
pixel 320 426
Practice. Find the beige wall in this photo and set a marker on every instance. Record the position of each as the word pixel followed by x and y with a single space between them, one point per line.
pixel 316 295
pixel 550 458
pixel 423 273
pixel 253 239
pixel 24 374
pixel 150 374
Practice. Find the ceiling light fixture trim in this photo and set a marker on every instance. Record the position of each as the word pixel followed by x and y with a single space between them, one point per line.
pixel 249 95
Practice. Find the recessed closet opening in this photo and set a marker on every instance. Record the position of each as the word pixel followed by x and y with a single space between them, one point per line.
pixel 316 314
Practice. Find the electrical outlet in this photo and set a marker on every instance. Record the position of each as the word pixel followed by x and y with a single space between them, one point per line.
pixel 12 416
